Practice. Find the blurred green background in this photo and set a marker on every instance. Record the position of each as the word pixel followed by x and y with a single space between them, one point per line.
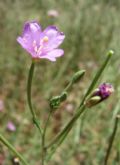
pixel 91 28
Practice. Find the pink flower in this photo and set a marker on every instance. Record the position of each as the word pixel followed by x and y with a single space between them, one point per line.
pixel 11 127
pixel 53 13
pixel 41 44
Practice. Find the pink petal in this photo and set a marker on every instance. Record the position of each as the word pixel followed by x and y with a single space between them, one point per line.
pixel 53 54
pixel 27 46
pixel 22 42
pixel 55 37
pixel 31 27
pixel 31 32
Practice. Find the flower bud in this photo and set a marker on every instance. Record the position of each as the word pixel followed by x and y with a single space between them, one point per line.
pixel 63 96
pixel 55 102
pixel 99 94
pixel 93 101
pixel 77 76
pixel 53 13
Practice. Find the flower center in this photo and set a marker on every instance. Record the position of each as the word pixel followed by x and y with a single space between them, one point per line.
pixel 45 39
pixel 38 49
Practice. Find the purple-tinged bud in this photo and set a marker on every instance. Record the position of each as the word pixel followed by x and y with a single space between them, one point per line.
pixel 99 94
pixel 105 90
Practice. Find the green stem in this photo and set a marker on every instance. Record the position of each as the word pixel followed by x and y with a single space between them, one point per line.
pixel 111 140
pixel 54 148
pixel 98 74
pixel 68 86
pixel 29 84
pixel 47 122
pixel 43 137
pixel 81 106
pixel 43 151
pixel 68 127
pixel 91 87
pixel 9 146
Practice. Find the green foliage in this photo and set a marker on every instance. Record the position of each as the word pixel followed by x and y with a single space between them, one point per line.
pixel 91 28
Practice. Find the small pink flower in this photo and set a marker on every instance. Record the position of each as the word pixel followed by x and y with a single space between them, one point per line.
pixel 53 13
pixel 41 44
pixel 11 127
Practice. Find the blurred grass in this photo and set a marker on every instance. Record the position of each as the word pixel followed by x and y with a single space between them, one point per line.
pixel 91 28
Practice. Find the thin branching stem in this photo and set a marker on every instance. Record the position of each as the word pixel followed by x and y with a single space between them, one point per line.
pixel 11 148
pixel 111 140
pixel 68 127
pixel 91 87
pixel 44 135
pixel 97 76
pixel 29 84
pixel 81 107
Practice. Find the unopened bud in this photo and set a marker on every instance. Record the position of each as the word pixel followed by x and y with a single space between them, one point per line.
pixel 53 13
pixel 111 52
pixel 55 102
pixel 92 101
pixel 77 76
pixel 63 96
pixel 99 94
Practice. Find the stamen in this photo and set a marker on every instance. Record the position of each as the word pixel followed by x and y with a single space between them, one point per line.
pixel 34 43
pixel 36 49
pixel 39 49
pixel 45 39
pixel 35 46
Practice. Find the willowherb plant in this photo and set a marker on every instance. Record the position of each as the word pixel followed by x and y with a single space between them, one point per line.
pixel 44 44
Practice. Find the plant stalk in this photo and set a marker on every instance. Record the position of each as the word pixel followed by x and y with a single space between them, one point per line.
pixel 29 84
pixel 10 147
pixel 81 107
pixel 43 137
pixel 111 140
